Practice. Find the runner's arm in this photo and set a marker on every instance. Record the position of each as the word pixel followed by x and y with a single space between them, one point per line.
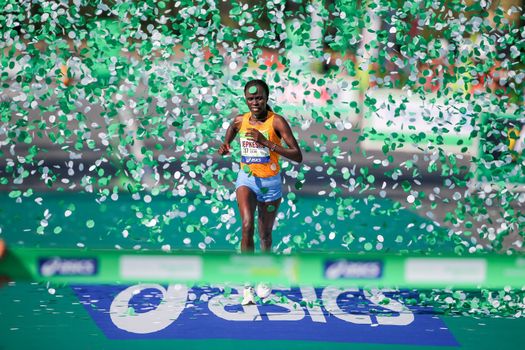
pixel 293 152
pixel 231 132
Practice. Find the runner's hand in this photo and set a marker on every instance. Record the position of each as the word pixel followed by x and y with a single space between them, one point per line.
pixel 256 136
pixel 224 149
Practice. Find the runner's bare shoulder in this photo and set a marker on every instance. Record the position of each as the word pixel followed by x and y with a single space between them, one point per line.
pixel 280 123
pixel 237 121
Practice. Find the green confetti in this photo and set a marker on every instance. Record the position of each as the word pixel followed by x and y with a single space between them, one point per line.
pixel 15 194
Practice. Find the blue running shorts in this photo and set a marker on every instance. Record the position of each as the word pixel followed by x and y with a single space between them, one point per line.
pixel 267 189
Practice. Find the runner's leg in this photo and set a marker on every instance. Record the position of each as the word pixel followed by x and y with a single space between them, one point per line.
pixel 267 214
pixel 246 201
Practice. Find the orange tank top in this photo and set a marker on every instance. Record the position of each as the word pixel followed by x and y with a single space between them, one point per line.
pixel 257 159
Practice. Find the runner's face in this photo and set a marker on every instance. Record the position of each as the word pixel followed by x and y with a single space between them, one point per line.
pixel 256 100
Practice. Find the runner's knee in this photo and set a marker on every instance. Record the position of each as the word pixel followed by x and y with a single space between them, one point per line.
pixel 247 226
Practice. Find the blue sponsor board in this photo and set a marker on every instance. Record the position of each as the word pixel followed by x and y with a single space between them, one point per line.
pixel 354 269
pixel 331 314
pixel 57 266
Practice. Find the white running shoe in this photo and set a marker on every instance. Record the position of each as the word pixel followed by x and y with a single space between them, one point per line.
pixel 263 290
pixel 248 296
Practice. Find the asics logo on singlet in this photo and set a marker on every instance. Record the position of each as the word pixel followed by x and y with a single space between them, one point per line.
pixel 67 267
pixel 251 160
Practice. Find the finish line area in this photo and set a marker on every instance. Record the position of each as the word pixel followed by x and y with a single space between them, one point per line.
pixel 339 269
pixel 97 296
pixel 105 299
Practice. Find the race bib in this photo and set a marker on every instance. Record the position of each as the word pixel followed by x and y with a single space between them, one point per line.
pixel 252 152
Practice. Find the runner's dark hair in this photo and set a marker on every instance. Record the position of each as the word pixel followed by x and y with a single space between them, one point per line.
pixel 261 83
